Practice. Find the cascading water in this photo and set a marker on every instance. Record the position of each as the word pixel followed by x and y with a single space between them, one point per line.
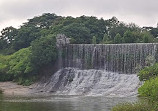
pixel 121 58
pixel 72 81
pixel 90 69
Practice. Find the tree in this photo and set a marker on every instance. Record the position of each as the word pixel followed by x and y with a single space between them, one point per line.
pixel 35 28
pixel 25 36
pixel 105 39
pixel 149 89
pixel 147 37
pixel 16 66
pixel 19 63
pixel 118 39
pixel 133 27
pixel 43 51
pixel 113 21
pixel 78 32
pixel 94 40
pixel 42 22
pixel 129 37
pixel 120 28
pixel 7 37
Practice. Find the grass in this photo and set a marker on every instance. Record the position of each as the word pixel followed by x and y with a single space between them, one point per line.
pixel 139 106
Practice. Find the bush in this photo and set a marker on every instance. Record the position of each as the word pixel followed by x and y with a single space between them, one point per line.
pixel 22 66
pixel 150 89
pixel 139 106
pixel 19 63
pixel 16 66
pixel 43 51
pixel 26 81
pixel 148 72
pixel 3 68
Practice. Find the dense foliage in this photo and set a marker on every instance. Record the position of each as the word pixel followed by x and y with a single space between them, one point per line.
pixel 16 67
pixel 43 51
pixel 150 89
pixel 148 72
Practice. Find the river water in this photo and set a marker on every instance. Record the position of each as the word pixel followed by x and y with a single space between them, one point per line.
pixel 61 103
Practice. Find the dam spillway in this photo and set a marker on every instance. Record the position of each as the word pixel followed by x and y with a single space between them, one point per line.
pixel 100 69
pixel 121 58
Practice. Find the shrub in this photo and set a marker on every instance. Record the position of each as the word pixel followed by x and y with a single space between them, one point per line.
pixel 16 66
pixel 4 68
pixel 43 51
pixel 26 81
pixel 148 72
pixel 139 106
pixel 149 89
pixel 19 63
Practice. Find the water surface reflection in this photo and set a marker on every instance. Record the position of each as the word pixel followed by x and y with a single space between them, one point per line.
pixel 61 103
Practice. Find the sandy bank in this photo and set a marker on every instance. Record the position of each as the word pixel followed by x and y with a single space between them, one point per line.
pixel 13 89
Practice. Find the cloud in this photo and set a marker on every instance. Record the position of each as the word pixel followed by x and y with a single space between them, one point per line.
pixel 138 11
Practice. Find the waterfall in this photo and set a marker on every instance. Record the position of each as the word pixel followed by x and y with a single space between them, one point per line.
pixel 121 58
pixel 72 81
pixel 99 69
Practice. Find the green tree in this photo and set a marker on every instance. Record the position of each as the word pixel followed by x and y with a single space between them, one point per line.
pixel 118 39
pixel 43 51
pixel 43 22
pixel 149 89
pixel 105 39
pixel 35 28
pixel 7 38
pixel 17 67
pixel 9 34
pixel 19 63
pixel 78 32
pixel 148 72
pixel 120 28
pixel 113 21
pixel 129 37
pixel 94 40
pixel 147 37
pixel 25 36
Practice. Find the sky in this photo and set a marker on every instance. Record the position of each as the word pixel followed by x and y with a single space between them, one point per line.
pixel 142 12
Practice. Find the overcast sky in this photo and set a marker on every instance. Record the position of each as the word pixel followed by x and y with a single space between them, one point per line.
pixel 142 12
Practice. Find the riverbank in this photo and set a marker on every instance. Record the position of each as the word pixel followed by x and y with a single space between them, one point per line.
pixel 13 89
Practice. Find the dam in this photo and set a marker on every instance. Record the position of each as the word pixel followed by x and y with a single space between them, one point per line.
pixel 121 58
pixel 100 69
